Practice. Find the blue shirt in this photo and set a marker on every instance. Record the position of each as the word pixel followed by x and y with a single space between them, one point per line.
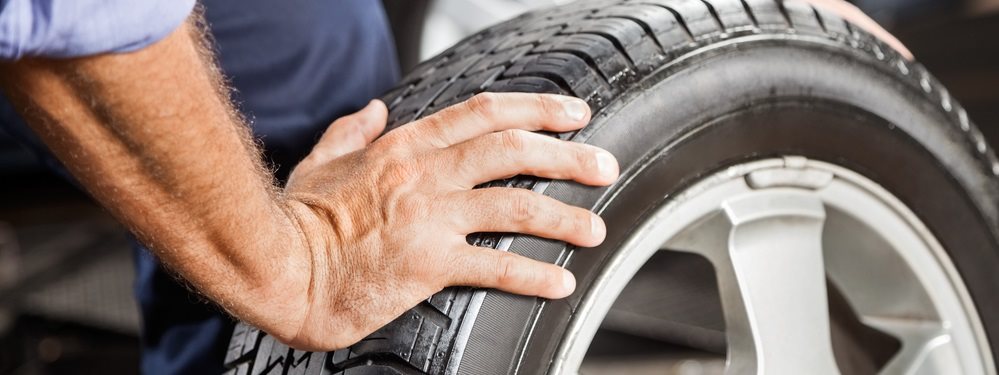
pixel 71 28
pixel 296 65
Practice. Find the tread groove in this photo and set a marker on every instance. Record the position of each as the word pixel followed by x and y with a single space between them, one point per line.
pixel 621 50
pixel 849 28
pixel 592 64
pixel 679 20
pixel 818 18
pixel 783 12
pixel 749 12
pixel 648 30
pixel 714 14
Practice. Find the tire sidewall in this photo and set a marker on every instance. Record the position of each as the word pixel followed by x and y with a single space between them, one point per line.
pixel 751 99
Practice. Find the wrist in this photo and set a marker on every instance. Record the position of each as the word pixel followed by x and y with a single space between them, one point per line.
pixel 305 279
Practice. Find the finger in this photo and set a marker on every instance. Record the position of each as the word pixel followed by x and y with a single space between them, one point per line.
pixel 857 17
pixel 513 210
pixel 352 132
pixel 490 112
pixel 511 152
pixel 512 273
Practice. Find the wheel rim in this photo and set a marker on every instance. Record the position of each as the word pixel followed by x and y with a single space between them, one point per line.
pixel 774 231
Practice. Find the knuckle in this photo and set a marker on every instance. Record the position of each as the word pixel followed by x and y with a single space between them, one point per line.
pixel 410 210
pixel 549 106
pixel 435 129
pixel 580 221
pixel 584 158
pixel 397 144
pixel 513 140
pixel 561 219
pixel 461 154
pixel 397 172
pixel 427 124
pixel 506 269
pixel 484 104
pixel 390 141
pixel 524 207
pixel 557 221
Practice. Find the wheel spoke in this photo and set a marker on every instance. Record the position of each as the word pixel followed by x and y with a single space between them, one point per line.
pixel 772 281
pixel 926 346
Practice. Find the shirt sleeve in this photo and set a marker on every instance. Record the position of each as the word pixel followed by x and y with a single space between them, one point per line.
pixel 74 28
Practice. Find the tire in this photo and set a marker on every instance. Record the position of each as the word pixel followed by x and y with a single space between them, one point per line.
pixel 680 90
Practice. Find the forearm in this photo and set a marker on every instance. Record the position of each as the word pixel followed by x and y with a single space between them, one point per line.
pixel 152 137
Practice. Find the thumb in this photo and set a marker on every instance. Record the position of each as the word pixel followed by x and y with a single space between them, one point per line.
pixel 351 133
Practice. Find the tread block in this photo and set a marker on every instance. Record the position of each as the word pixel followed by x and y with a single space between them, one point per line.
pixel 699 21
pixel 624 31
pixel 835 25
pixel 457 66
pixel 578 10
pixel 271 357
pixel 463 88
pixel 498 59
pixel 597 50
pixel 803 18
pixel 641 48
pixel 244 340
pixel 402 330
pixel 241 369
pixel 306 363
pixel 393 97
pixel 475 43
pixel 527 84
pixel 408 109
pixel 568 68
pixel 532 37
pixel 668 32
pixel 483 44
pixel 443 300
pixel 768 14
pixel 426 338
pixel 420 72
pixel 732 15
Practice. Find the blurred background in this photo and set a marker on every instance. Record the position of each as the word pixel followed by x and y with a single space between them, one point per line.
pixel 66 303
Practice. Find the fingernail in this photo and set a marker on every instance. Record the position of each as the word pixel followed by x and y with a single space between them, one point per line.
pixel 568 282
pixel 606 163
pixel 574 108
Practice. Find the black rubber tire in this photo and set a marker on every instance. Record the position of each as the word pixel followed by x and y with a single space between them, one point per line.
pixel 680 89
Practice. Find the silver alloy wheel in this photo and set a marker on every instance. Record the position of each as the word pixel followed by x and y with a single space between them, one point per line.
pixel 775 230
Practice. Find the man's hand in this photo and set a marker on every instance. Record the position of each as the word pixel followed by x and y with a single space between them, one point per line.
pixel 387 224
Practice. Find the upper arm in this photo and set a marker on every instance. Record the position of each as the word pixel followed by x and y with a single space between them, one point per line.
pixel 73 28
